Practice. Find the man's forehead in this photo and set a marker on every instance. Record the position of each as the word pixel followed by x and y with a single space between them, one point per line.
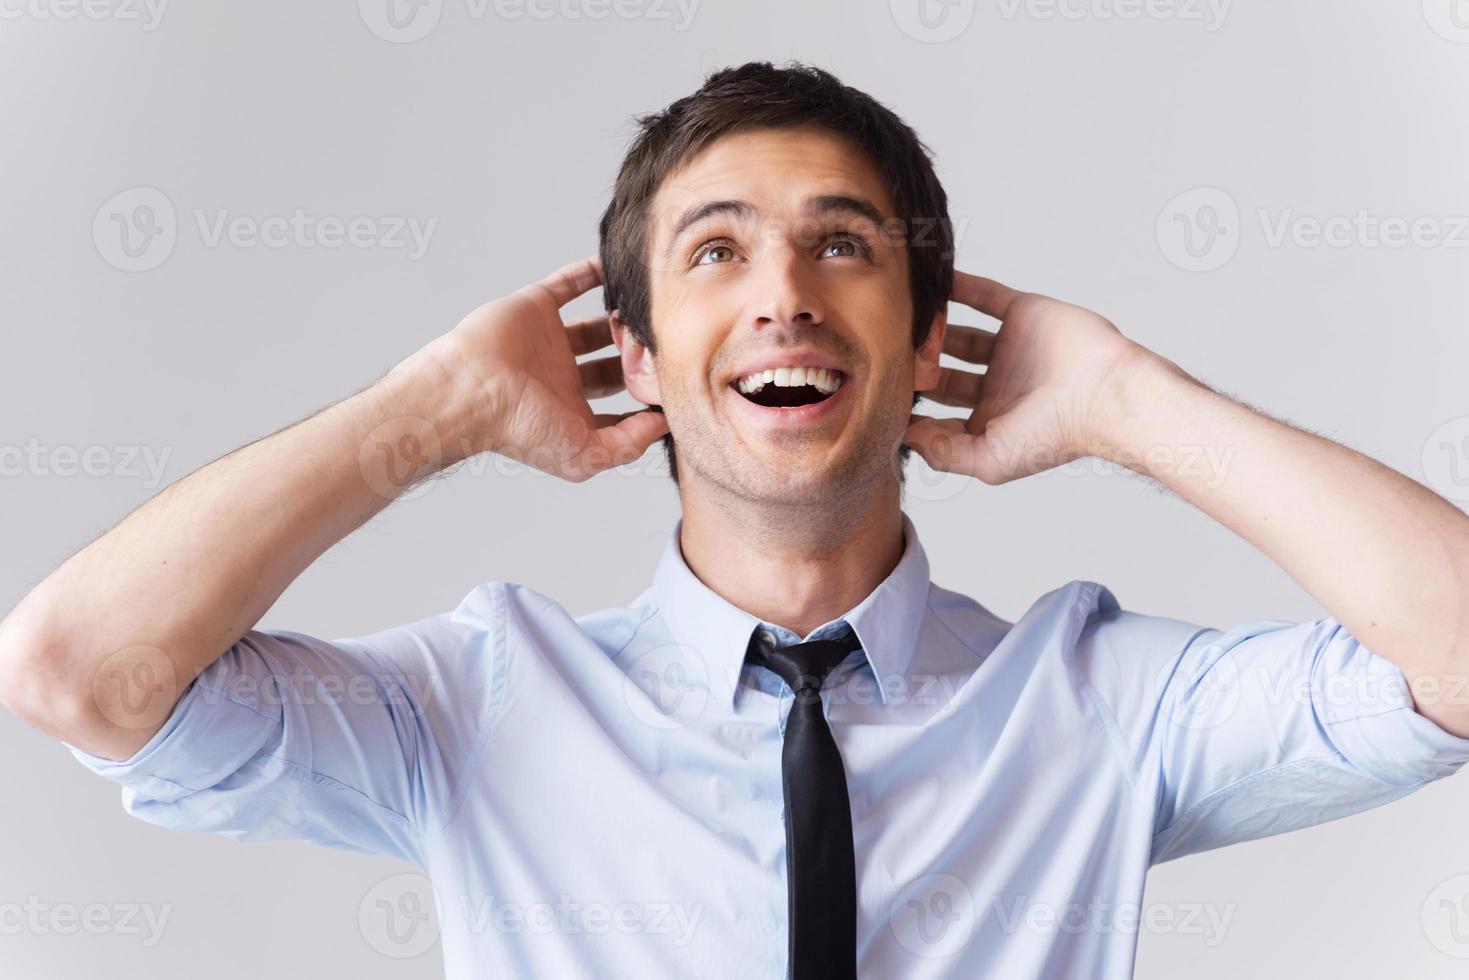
pixel 775 172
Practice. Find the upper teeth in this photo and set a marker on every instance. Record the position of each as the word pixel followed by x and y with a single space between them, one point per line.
pixel 824 380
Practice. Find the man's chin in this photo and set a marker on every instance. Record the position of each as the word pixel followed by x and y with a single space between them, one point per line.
pixel 796 473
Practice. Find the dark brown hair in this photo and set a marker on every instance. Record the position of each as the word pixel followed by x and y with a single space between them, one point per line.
pixel 757 95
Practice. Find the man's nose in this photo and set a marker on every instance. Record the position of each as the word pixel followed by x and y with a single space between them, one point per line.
pixel 785 291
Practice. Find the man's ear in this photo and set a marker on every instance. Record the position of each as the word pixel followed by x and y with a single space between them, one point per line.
pixel 639 372
pixel 926 361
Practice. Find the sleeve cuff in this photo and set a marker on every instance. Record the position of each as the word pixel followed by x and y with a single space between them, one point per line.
pixel 206 737
pixel 1367 707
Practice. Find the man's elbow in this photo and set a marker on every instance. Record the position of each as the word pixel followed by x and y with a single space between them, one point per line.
pixel 1442 696
pixel 33 687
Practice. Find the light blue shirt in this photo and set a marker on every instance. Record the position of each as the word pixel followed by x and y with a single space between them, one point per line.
pixel 600 795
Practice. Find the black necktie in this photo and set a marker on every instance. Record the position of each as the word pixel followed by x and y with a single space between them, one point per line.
pixel 821 876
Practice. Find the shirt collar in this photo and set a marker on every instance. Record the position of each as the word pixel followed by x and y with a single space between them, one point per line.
pixel 886 622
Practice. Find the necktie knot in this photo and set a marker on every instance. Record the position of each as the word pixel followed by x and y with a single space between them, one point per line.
pixel 804 666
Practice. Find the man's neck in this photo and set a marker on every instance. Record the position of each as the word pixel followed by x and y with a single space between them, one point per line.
pixel 793 567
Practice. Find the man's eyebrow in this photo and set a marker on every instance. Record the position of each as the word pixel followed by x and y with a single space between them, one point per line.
pixel 818 204
pixel 736 209
pixel 823 204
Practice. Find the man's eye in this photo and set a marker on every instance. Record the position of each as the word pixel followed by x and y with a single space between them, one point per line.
pixel 847 246
pixel 720 252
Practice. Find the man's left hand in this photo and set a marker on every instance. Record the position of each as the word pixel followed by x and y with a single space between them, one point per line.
pixel 1054 377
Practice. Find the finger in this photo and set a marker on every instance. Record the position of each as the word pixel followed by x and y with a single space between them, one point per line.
pixel 570 281
pixel 601 377
pixel 984 295
pixel 605 419
pixel 940 442
pixel 623 441
pixel 958 388
pixel 951 425
pixel 591 334
pixel 971 344
pixel 948 446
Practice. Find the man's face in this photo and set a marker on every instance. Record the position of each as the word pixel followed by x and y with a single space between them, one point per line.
pixel 767 251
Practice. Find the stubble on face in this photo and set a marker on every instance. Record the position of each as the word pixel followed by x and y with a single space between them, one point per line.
pixel 712 457
pixel 706 326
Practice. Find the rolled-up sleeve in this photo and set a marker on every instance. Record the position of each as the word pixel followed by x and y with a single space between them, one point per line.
pixel 361 744
pixel 1266 727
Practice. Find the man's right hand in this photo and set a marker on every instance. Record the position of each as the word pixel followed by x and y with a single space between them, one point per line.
pixel 530 394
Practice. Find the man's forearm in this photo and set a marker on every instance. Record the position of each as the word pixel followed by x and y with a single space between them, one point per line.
pixel 1383 554
pixel 180 579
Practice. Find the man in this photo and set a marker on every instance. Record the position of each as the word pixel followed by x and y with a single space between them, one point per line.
pixel 792 754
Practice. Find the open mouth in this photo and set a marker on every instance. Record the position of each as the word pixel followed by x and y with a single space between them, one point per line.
pixel 789 387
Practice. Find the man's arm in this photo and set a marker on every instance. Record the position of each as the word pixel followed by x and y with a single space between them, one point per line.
pixel 100 652
pixel 1387 557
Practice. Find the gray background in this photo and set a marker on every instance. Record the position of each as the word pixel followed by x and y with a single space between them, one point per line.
pixel 1062 141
